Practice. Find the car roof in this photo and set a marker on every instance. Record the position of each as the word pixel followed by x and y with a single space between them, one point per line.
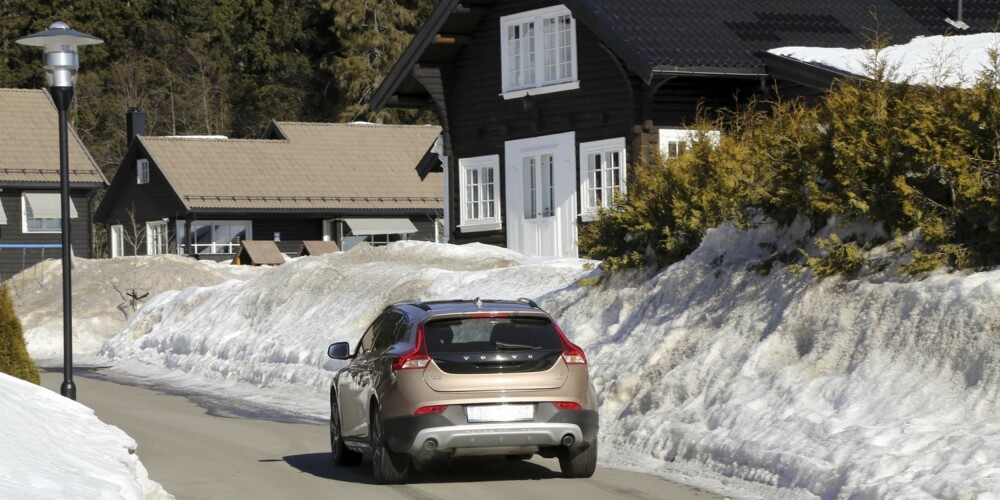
pixel 434 308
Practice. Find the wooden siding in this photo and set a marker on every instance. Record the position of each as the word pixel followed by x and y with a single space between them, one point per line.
pixel 480 121
pixel 147 202
pixel 293 231
pixel 676 103
pixel 13 260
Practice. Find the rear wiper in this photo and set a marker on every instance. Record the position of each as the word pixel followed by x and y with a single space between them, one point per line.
pixel 515 347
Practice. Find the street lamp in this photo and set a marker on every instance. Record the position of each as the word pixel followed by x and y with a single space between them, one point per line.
pixel 61 63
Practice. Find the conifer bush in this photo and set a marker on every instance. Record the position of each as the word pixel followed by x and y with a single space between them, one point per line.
pixel 913 157
pixel 14 359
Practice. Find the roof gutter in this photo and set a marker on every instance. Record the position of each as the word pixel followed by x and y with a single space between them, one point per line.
pixel 812 75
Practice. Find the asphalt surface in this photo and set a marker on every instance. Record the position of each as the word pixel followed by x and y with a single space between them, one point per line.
pixel 196 455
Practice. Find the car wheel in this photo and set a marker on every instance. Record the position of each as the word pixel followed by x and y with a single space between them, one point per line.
pixel 390 467
pixel 579 463
pixel 342 456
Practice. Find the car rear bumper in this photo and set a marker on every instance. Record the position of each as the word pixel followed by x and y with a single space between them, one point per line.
pixel 494 436
pixel 451 432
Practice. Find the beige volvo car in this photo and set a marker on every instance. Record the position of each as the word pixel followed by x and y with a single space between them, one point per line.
pixel 462 378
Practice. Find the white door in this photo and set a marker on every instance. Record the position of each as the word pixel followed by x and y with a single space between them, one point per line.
pixel 541 195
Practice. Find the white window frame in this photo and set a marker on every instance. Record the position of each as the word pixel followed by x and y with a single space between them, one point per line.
pixel 24 218
pixel 670 138
pixel 588 210
pixel 154 247
pixel 213 247
pixel 142 171
pixel 541 44
pixel 479 164
pixel 117 236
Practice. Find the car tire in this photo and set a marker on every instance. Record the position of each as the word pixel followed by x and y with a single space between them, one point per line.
pixel 342 455
pixel 390 467
pixel 579 462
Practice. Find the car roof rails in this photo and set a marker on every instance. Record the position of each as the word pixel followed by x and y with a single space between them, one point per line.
pixel 416 303
pixel 528 301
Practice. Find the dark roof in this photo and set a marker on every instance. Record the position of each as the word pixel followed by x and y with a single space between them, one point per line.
pixel 705 36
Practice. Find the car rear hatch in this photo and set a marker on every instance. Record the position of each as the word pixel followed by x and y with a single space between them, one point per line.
pixel 493 353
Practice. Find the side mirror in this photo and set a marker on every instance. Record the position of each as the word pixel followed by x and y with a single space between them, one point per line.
pixel 339 350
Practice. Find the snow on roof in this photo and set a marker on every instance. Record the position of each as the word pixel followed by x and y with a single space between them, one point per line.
pixel 937 60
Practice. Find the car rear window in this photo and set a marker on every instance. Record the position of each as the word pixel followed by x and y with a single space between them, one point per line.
pixel 490 334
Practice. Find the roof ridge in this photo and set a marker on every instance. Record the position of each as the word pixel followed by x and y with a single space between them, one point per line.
pixel 167 138
pixel 358 124
pixel 26 91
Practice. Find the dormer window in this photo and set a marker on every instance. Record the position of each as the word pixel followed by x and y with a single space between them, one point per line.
pixel 538 52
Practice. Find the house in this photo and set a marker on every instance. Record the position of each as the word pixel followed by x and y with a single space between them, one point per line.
pixel 545 105
pixel 30 201
pixel 203 196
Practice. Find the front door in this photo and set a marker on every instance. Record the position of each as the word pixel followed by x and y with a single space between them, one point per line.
pixel 541 195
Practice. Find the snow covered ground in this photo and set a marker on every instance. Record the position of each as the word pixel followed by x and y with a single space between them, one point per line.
pixel 74 455
pixel 709 371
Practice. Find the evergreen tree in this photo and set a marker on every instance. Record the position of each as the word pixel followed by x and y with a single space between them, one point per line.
pixel 372 34
pixel 14 359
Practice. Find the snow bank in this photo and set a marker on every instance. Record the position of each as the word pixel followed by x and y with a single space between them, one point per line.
pixel 936 60
pixel 100 304
pixel 272 331
pixel 54 447
pixel 873 388
pixel 881 387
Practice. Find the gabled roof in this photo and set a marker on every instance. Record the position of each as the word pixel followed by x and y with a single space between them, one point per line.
pixel 315 166
pixel 711 37
pixel 29 143
pixel 258 253
pixel 314 248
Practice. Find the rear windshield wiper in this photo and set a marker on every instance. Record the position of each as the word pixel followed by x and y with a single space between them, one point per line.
pixel 515 347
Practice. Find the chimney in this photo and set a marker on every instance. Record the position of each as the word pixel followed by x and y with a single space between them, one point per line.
pixel 135 124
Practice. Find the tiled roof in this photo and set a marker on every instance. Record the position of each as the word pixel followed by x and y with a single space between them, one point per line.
pixel 319 166
pixel 29 142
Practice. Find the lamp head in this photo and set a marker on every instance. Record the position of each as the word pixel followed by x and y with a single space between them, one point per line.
pixel 61 59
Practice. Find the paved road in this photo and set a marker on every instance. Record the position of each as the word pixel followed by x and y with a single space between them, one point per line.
pixel 198 456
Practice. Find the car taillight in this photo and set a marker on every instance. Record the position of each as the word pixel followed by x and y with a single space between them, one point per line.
pixel 567 405
pixel 415 358
pixel 431 410
pixel 572 354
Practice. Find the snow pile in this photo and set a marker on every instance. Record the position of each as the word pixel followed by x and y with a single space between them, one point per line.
pixel 875 388
pixel 101 304
pixel 937 60
pixel 54 447
pixel 272 331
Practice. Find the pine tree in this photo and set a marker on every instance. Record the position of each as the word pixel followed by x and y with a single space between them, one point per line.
pixel 14 359
pixel 372 34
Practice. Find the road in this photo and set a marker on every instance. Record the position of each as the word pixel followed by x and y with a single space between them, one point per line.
pixel 195 455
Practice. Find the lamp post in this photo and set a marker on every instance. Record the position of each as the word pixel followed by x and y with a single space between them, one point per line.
pixel 61 64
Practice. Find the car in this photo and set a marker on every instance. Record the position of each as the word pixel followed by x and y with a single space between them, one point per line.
pixel 462 378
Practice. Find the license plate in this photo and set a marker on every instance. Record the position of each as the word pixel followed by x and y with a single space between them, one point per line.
pixel 500 413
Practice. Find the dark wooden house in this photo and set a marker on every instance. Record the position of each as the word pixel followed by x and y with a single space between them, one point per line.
pixel 30 210
pixel 545 105
pixel 346 183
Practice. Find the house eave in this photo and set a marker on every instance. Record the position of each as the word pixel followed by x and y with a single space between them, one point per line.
pixel 812 75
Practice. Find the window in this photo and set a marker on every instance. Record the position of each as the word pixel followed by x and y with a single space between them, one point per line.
pixel 157 238
pixel 539 188
pixel 142 171
pixel 117 241
pixel 214 237
pixel 538 52
pixel 43 212
pixel 480 210
pixel 673 142
pixel 602 174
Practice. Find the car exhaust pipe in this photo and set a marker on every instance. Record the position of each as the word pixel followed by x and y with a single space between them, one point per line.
pixel 430 445
pixel 568 440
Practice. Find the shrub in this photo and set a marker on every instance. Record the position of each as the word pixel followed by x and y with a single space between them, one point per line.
pixel 14 359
